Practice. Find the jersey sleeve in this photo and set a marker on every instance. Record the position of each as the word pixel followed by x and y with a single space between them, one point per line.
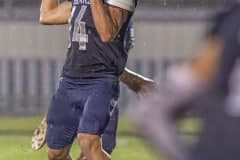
pixel 128 5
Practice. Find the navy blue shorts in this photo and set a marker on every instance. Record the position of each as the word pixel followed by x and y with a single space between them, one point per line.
pixel 82 106
pixel 110 133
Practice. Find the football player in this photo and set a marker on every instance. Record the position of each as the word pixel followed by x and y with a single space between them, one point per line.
pixel 52 13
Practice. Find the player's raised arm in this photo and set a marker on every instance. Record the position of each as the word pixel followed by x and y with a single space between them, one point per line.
pixel 108 19
pixel 137 82
pixel 53 13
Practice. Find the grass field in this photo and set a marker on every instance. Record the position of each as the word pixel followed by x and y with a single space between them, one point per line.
pixel 15 141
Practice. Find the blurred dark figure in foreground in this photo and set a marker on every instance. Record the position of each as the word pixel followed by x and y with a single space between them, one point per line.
pixel 212 75
pixel 219 139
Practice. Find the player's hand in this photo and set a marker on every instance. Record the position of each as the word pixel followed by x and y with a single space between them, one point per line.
pixel 148 87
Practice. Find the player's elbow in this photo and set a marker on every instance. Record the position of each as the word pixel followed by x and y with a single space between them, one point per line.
pixel 107 32
pixel 106 36
pixel 43 19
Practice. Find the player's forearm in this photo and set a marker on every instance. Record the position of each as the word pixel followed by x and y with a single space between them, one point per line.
pixel 106 26
pixel 205 63
pixel 47 5
pixel 53 14
pixel 137 82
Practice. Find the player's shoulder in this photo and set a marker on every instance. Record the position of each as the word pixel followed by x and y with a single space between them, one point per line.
pixel 227 19
pixel 229 10
pixel 128 5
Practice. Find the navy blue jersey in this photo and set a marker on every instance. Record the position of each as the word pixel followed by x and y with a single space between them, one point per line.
pixel 87 55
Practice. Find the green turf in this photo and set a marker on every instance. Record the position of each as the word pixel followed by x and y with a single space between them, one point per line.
pixel 14 145
pixel 18 147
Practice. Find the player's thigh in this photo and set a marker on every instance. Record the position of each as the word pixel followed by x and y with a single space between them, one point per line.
pixel 62 118
pixel 98 106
